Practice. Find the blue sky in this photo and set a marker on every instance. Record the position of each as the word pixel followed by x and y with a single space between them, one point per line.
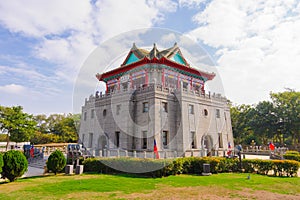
pixel 44 44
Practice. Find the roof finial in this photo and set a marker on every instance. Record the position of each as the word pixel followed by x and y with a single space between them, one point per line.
pixel 133 46
pixel 154 45
pixel 175 44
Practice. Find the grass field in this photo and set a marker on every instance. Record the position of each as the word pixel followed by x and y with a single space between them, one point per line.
pixel 97 186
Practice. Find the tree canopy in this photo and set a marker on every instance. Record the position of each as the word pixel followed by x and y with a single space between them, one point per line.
pixel 56 128
pixel 39 129
pixel 277 120
pixel 18 125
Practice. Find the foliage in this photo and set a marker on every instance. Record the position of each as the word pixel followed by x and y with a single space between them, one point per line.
pixel 240 116
pixel 56 162
pixel 293 152
pixel 19 125
pixel 277 120
pixel 192 165
pixel 292 155
pixel 15 165
pixel 1 162
pixel 42 138
pixel 3 137
pixel 56 128
pixel 130 165
pixel 288 111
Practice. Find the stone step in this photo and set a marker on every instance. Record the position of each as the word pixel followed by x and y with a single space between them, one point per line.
pixel 37 163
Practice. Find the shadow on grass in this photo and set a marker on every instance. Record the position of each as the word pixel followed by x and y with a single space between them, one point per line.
pixel 19 179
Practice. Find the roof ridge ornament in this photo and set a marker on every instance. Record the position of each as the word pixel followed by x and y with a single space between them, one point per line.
pixel 133 46
pixel 154 52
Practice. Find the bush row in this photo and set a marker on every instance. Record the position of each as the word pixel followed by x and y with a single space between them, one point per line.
pixel 143 167
pixel 292 155
pixel 189 165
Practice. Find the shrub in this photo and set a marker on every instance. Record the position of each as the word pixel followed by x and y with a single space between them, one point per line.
pixel 248 166
pixel 228 165
pixel 129 165
pixel 1 162
pixel 292 155
pixel 264 166
pixel 56 162
pixel 285 167
pixel 15 165
pixel 177 166
pixel 291 167
pixel 190 165
pixel 292 152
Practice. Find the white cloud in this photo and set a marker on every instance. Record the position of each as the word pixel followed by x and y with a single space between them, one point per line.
pixel 64 33
pixel 35 82
pixel 165 5
pixel 221 23
pixel 68 34
pixel 191 3
pixel 257 45
pixel 38 18
pixel 25 72
pixel 114 17
pixel 13 89
pixel 171 37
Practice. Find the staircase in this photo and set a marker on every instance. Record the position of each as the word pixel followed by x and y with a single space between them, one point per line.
pixel 37 163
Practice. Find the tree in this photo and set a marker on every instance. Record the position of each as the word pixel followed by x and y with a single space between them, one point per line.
pixel 240 117
pixel 56 162
pixel 43 138
pixel 264 121
pixel 287 104
pixel 15 165
pixel 277 120
pixel 42 123
pixel 65 128
pixel 19 125
pixel 56 128
pixel 1 162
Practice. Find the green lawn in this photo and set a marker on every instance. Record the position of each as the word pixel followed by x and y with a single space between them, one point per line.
pixel 96 186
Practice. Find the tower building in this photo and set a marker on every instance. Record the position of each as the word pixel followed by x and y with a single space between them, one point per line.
pixel 156 95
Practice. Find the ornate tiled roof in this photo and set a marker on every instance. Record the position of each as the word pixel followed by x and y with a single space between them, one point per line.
pixel 135 54
pixel 171 57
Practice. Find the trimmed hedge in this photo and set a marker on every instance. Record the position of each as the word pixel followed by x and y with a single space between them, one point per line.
pixel 292 155
pixel 143 167
pixel 15 165
pixel 56 162
pixel 189 165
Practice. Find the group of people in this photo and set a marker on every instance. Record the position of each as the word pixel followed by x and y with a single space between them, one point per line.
pixel 230 152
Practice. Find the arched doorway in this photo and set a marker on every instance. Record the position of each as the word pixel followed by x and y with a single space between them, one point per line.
pixel 102 143
pixel 207 143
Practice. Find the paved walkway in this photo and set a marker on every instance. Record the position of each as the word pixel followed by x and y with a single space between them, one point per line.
pixel 33 171
pixel 257 157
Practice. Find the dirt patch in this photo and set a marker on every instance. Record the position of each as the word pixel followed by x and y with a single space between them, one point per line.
pixel 201 192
